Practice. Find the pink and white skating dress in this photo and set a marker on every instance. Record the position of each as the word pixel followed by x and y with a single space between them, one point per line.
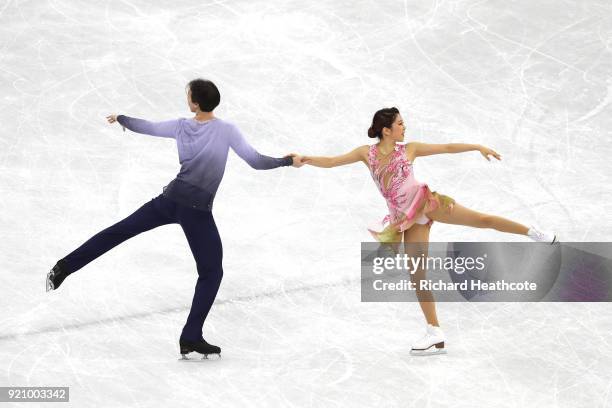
pixel 408 200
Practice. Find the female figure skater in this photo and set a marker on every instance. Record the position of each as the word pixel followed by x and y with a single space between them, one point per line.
pixel 203 143
pixel 413 207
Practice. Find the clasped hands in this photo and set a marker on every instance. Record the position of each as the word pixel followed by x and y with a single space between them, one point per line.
pixel 298 159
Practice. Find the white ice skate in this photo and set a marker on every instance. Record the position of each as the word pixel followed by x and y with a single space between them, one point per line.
pixel 432 343
pixel 542 236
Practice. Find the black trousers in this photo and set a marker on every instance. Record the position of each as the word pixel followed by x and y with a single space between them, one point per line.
pixel 203 238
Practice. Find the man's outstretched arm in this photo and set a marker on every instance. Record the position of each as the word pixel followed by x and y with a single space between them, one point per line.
pixel 166 128
pixel 257 160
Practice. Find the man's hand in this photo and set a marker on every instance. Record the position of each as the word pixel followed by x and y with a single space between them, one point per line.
pixel 113 119
pixel 298 160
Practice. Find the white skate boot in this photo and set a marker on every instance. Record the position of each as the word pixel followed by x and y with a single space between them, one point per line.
pixel 542 236
pixel 432 343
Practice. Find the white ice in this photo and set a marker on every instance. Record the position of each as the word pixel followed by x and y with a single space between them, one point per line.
pixel 531 79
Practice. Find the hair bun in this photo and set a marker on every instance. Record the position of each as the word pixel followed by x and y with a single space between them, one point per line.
pixel 383 118
pixel 372 132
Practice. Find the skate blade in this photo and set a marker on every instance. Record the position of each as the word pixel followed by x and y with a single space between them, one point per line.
pixel 432 351
pixel 203 357
pixel 49 283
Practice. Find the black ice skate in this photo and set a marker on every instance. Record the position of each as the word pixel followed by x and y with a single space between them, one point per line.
pixel 201 347
pixel 56 276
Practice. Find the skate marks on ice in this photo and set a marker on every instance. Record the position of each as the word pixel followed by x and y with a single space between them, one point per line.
pixel 270 294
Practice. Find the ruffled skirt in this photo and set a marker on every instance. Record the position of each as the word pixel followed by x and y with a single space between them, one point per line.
pixel 393 225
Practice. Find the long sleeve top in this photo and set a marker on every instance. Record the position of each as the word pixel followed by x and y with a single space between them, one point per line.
pixel 202 149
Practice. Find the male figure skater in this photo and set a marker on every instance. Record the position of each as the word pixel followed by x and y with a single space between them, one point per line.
pixel 203 143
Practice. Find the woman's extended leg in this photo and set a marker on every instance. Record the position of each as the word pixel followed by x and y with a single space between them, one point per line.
pixel 416 242
pixel 461 215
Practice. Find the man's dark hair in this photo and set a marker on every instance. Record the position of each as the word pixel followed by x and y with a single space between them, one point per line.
pixel 205 94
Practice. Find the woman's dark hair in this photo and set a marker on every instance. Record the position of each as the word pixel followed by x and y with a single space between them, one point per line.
pixel 384 118
pixel 205 94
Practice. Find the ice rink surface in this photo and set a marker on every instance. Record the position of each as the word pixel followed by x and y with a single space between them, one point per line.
pixel 530 79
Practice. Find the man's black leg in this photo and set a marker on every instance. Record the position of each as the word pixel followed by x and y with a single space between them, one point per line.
pixel 153 214
pixel 205 243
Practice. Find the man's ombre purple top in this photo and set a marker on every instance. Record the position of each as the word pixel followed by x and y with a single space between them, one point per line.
pixel 202 148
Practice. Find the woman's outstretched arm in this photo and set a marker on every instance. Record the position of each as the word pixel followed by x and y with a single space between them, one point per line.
pixel 358 154
pixel 416 149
